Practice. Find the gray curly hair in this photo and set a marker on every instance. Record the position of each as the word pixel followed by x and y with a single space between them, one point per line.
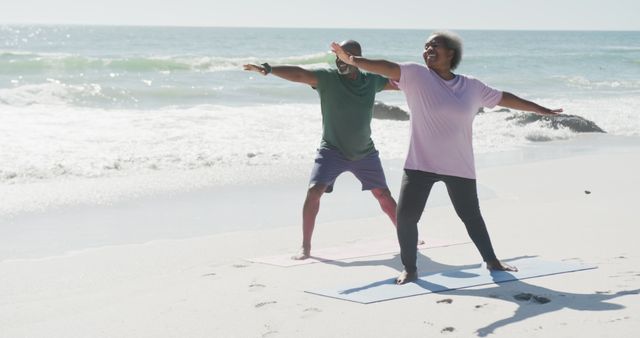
pixel 453 42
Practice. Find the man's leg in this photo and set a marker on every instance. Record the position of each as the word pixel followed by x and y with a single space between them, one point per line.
pixel 387 203
pixel 309 213
pixel 414 192
pixel 389 206
pixel 464 196
pixel 370 173
pixel 327 166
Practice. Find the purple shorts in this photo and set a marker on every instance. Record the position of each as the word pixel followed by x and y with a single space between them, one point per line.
pixel 330 163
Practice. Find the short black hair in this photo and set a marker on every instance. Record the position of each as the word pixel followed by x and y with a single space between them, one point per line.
pixel 353 47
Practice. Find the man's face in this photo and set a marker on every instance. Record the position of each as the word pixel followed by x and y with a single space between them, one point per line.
pixel 344 68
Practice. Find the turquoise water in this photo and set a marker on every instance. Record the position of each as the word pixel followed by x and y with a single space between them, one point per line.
pixel 93 102
pixel 151 67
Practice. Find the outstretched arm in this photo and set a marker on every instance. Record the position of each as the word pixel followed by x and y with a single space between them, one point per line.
pixel 512 101
pixel 291 73
pixel 383 67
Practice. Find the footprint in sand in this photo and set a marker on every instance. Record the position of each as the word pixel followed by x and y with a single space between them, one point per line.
pixel 310 311
pixel 541 299
pixel 524 297
pixel 629 275
pixel 259 305
pixel 446 301
pixel 209 274
pixel 239 266
pixel 448 329
pixel 619 319
pixel 481 305
pixel 255 286
pixel 269 334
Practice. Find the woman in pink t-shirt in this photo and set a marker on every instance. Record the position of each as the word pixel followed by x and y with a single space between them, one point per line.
pixel 442 106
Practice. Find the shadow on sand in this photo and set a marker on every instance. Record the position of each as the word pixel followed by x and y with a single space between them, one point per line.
pixel 542 300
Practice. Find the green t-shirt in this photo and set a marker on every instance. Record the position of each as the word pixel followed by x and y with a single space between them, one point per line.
pixel 347 109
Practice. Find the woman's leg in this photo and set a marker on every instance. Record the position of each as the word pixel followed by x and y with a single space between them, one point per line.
pixel 464 196
pixel 415 189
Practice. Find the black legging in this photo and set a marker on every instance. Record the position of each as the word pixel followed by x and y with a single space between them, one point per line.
pixel 416 186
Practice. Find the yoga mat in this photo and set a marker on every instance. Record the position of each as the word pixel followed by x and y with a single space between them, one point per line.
pixel 384 290
pixel 357 250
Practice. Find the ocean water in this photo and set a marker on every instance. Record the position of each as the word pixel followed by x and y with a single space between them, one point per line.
pixel 85 104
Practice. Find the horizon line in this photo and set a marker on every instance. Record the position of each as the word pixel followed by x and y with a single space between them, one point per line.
pixel 316 27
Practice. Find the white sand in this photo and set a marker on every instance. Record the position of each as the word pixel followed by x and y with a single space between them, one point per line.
pixel 203 287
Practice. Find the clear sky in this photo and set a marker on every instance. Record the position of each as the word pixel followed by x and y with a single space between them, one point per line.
pixel 421 14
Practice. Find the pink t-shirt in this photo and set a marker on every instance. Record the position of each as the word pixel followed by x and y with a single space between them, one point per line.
pixel 442 114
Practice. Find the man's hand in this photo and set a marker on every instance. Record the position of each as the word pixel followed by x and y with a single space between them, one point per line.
pixel 255 68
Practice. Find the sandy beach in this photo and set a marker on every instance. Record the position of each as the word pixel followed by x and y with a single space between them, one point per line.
pixel 582 206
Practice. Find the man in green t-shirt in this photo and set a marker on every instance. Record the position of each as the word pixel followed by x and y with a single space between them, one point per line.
pixel 346 100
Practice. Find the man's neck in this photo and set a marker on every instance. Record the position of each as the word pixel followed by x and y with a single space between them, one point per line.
pixel 351 76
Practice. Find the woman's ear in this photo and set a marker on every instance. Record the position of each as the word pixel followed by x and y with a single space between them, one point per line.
pixel 450 53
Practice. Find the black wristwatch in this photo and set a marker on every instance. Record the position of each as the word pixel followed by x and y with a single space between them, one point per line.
pixel 267 68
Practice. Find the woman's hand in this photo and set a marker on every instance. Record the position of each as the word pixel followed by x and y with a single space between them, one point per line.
pixel 342 54
pixel 547 111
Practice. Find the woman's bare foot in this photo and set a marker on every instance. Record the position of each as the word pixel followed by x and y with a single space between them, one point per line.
pixel 303 254
pixel 406 277
pixel 497 265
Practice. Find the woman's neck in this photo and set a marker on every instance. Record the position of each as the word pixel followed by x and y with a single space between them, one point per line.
pixel 445 74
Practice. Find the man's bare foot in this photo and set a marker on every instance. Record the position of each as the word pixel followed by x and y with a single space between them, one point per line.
pixel 497 265
pixel 303 254
pixel 406 277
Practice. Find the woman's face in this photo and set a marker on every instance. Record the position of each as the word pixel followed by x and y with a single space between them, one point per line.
pixel 436 55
